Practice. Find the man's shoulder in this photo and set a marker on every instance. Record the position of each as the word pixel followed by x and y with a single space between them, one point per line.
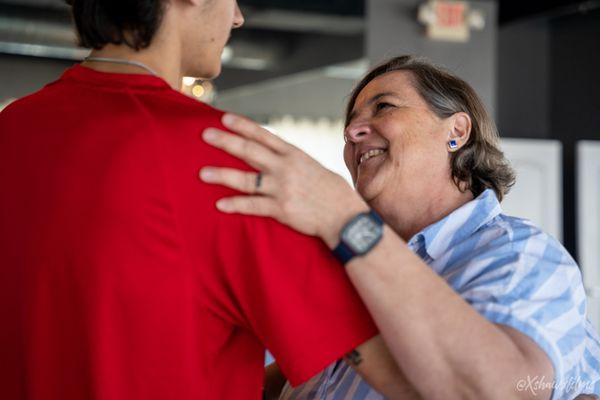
pixel 180 106
pixel 28 103
pixel 180 121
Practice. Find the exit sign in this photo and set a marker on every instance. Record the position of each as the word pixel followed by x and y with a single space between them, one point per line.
pixel 450 20
pixel 450 14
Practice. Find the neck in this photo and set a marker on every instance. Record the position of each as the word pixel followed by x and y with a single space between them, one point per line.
pixel 163 56
pixel 411 212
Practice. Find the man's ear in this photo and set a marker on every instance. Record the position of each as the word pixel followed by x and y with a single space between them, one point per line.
pixel 460 130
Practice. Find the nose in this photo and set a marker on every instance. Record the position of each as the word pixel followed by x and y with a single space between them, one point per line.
pixel 357 131
pixel 238 17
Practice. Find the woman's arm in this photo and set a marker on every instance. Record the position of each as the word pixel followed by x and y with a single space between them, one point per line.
pixel 371 360
pixel 443 346
pixel 446 349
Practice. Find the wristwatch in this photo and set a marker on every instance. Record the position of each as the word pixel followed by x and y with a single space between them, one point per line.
pixel 359 236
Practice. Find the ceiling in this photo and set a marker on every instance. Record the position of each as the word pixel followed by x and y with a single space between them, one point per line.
pixel 277 39
pixel 280 37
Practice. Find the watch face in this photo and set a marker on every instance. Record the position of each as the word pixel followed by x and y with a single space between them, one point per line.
pixel 362 234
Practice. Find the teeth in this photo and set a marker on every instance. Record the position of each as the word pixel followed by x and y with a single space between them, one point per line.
pixel 369 154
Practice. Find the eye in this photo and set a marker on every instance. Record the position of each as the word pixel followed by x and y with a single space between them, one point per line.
pixel 382 106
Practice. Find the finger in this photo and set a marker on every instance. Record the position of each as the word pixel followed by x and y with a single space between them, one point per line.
pixel 236 179
pixel 254 131
pixel 249 205
pixel 251 152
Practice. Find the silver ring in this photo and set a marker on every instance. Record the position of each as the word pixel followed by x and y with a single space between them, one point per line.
pixel 258 181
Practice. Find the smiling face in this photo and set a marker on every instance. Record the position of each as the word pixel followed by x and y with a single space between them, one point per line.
pixel 396 147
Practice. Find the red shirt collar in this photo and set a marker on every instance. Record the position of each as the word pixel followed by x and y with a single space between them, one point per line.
pixel 97 78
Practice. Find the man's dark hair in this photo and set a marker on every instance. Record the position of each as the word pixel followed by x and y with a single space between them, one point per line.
pixel 130 22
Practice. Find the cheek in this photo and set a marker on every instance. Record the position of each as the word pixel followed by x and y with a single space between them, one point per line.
pixel 428 160
pixel 348 160
pixel 416 155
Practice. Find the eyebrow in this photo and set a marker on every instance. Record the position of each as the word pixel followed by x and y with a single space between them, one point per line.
pixel 371 101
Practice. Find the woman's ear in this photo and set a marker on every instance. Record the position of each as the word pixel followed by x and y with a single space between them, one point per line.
pixel 460 131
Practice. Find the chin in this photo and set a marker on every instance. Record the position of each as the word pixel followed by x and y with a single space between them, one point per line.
pixel 375 186
pixel 366 190
pixel 212 74
pixel 206 71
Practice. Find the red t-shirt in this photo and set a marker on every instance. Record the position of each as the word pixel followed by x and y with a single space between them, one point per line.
pixel 121 280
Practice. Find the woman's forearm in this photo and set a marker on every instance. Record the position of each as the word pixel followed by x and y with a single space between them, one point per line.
pixel 445 348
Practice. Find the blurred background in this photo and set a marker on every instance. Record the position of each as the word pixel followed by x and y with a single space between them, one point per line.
pixel 535 63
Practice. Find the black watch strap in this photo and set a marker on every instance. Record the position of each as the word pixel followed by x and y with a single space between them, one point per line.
pixel 343 252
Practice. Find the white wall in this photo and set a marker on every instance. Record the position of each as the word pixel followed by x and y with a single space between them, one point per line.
pixel 323 139
pixel 537 193
pixel 588 217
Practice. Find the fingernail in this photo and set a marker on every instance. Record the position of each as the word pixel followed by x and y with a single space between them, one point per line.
pixel 228 119
pixel 223 205
pixel 207 174
pixel 210 135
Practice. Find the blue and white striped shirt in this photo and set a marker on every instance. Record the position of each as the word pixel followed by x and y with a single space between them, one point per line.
pixel 512 274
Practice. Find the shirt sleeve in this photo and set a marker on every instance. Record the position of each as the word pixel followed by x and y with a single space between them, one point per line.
pixel 284 287
pixel 293 294
pixel 534 286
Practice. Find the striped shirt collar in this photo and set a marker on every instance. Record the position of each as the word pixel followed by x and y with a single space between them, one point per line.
pixel 439 237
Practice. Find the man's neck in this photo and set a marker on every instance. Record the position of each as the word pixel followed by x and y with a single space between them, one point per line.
pixel 159 58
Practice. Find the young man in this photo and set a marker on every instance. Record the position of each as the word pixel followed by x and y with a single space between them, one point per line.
pixel 120 279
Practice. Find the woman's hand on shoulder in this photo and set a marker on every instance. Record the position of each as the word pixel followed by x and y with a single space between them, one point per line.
pixel 292 187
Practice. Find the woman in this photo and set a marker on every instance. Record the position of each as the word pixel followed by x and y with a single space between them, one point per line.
pixel 472 303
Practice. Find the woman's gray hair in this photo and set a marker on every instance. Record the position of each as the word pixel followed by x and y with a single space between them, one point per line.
pixel 479 164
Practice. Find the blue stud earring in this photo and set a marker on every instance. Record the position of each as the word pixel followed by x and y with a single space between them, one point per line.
pixel 453 144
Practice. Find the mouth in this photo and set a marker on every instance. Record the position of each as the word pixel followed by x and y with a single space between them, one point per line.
pixel 367 155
